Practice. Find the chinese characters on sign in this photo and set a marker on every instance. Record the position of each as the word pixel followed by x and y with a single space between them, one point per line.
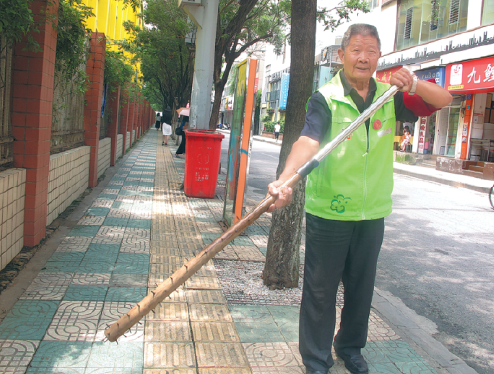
pixel 471 75
pixel 423 126
pixel 384 76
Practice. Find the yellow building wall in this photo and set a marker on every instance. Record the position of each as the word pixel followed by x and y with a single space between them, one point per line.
pixel 109 16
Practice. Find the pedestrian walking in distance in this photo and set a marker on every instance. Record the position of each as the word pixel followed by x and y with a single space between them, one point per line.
pixel 166 120
pixel 277 129
pixel 348 195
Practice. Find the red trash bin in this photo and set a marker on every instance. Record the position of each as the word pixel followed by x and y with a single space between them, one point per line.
pixel 202 161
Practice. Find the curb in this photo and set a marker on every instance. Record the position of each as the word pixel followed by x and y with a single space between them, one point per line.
pixel 419 330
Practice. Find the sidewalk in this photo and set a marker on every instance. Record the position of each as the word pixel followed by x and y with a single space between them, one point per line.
pixel 426 173
pixel 134 230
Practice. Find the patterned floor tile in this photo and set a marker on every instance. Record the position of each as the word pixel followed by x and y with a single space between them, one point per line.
pixel 114 310
pixel 253 332
pixel 134 334
pixel 72 330
pixel 91 220
pixel 169 331
pixel 249 313
pixel 84 230
pixel 139 223
pixel 132 263
pixel 43 292
pixel 111 355
pixel 214 332
pixel 109 235
pixel 91 279
pixel 74 244
pixel 221 355
pixel 86 293
pixel 126 294
pixel 169 355
pixel 195 282
pixel 108 196
pixel 209 312
pixel 122 205
pixel 115 221
pixel 62 354
pixel 271 355
pixel 170 311
pixel 126 280
pixel 205 297
pixel 46 279
pixel 15 355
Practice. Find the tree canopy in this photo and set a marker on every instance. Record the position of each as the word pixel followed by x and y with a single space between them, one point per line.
pixel 160 48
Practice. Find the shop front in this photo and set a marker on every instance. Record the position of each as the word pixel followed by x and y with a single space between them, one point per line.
pixel 474 81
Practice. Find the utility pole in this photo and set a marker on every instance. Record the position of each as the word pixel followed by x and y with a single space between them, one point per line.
pixel 204 13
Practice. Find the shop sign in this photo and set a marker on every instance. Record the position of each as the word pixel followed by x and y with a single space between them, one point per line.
pixel 438 74
pixel 470 75
pixel 422 130
pixel 285 81
pixel 384 76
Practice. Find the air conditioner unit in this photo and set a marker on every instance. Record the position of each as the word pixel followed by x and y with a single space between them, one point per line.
pixel 181 3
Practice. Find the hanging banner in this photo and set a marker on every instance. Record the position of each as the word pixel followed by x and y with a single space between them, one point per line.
pixel 422 132
pixel 240 141
pixel 468 76
pixel 384 76
pixel 285 80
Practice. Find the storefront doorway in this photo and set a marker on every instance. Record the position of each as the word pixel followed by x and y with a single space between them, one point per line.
pixel 451 136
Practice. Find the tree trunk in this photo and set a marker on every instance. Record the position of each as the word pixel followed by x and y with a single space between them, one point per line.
pixel 282 258
pixel 215 112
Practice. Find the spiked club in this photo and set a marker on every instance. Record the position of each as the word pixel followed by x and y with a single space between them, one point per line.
pixel 147 304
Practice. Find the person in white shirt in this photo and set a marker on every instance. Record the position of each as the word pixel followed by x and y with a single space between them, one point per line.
pixel 277 129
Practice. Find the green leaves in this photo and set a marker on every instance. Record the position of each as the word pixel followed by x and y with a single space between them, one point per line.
pixel 72 41
pixel 334 17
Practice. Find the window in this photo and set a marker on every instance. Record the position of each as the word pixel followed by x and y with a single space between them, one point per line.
pixel 454 11
pixel 373 4
pixel 420 21
pixel 408 23
pixel 488 12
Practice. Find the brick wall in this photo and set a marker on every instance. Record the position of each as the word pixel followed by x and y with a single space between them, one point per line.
pixel 104 155
pixel 68 178
pixel 12 197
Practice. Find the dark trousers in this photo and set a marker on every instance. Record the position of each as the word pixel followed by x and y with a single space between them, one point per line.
pixel 181 147
pixel 346 250
pixel 276 135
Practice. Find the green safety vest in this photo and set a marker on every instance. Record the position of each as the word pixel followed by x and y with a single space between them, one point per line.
pixel 354 182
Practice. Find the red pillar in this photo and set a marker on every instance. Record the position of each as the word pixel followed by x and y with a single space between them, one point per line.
pixel 130 126
pixel 32 103
pixel 124 119
pixel 114 105
pixel 94 97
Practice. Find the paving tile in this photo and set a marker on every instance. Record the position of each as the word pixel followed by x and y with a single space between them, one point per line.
pixel 15 355
pixel 46 279
pixel 167 331
pixel 134 334
pixel 224 371
pixel 214 332
pixel 74 244
pixel 109 235
pixel 108 196
pixel 60 266
pixel 43 292
pixel 211 283
pixel 115 221
pixel 169 355
pixel 209 312
pixel 114 310
pixel 123 205
pixel 380 330
pixel 61 354
pixel 228 355
pixel 91 279
pixel 84 230
pixel 170 311
pixel 170 371
pixel 124 280
pixel 115 370
pixel 86 293
pixel 73 330
pixel 91 220
pixel 253 332
pixel 123 294
pixel 132 263
pixel 96 266
pixel 103 250
pixel 139 223
pixel 205 296
pixel 120 213
pixel 271 355
pixel 251 313
pixel 111 355
pixel 71 257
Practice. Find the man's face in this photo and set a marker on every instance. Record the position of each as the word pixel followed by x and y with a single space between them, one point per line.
pixel 360 57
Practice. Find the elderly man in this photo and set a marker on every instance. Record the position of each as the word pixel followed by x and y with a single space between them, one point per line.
pixel 348 195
